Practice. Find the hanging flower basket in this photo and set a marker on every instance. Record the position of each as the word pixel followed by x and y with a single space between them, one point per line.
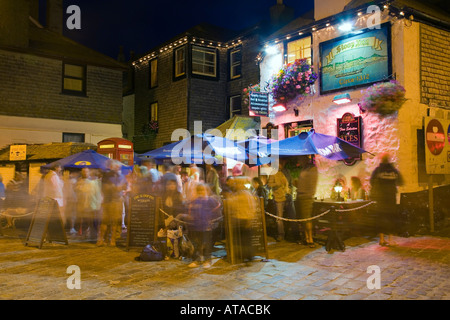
pixel 246 93
pixel 150 129
pixel 384 98
pixel 294 80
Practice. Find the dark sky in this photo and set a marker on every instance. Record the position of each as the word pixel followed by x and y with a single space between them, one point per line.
pixel 140 25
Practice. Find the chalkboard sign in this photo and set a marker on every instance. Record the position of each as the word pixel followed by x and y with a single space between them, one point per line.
pixel 142 220
pixel 46 224
pixel 258 239
pixel 259 104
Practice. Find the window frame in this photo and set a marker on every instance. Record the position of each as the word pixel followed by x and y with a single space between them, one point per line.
pixel 304 36
pixel 83 79
pixel 231 65
pixel 197 74
pixel 230 106
pixel 150 72
pixel 181 75
pixel 150 111
pixel 66 134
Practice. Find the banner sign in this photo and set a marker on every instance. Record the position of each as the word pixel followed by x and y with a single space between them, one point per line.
pixel 355 60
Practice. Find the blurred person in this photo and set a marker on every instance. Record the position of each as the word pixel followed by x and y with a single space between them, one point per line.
pixel 177 171
pixel 173 206
pixel 70 198
pixel 202 212
pixel 212 179
pixel 384 182
pixel 2 193
pixel 113 185
pixel 357 191
pixel 242 208
pixel 186 180
pixel 155 175
pixel 88 194
pixel 280 187
pixel 306 189
pixel 194 173
pixel 259 190
pixel 53 188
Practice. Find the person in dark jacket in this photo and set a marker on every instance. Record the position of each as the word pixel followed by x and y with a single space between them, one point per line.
pixel 384 181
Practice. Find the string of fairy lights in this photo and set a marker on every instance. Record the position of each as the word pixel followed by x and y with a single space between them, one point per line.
pixel 322 24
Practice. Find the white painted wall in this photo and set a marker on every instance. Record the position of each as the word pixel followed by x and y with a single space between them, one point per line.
pixel 38 130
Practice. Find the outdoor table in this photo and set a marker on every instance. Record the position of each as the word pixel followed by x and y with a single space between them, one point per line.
pixel 344 216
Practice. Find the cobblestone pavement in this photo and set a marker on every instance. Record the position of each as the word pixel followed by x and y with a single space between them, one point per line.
pixel 418 268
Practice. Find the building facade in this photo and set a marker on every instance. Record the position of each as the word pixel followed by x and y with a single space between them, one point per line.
pixel 53 89
pixel 416 39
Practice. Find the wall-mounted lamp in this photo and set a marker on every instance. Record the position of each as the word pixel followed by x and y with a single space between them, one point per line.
pixel 338 189
pixel 296 112
pixel 342 98
pixel 279 107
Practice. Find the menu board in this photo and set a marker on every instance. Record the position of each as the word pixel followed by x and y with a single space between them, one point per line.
pixel 46 224
pixel 258 234
pixel 142 220
pixel 259 104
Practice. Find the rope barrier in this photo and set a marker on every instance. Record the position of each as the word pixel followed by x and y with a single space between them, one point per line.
pixel 15 216
pixel 319 215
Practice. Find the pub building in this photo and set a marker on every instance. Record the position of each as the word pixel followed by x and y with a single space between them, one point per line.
pixel 352 47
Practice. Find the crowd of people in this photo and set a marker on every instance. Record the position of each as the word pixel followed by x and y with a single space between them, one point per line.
pixel 94 203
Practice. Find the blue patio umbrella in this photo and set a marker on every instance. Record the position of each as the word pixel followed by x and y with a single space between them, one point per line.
pixel 258 145
pixel 197 149
pixel 86 159
pixel 311 142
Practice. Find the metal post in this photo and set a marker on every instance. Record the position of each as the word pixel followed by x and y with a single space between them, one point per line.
pixel 431 202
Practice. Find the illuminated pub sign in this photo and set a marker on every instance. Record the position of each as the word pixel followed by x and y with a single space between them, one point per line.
pixel 349 129
pixel 355 60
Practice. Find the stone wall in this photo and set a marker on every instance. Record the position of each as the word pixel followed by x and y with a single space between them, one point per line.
pixel 435 66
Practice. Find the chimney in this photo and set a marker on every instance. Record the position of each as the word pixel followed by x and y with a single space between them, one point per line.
pixel 55 15
pixel 14 23
pixel 281 14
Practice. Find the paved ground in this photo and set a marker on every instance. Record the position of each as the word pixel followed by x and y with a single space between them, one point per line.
pixel 418 268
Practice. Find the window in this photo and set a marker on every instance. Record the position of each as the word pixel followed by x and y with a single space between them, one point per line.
pixel 235 106
pixel 204 61
pixel 153 114
pixel 299 49
pixel 153 66
pixel 74 78
pixel 73 137
pixel 235 63
pixel 180 59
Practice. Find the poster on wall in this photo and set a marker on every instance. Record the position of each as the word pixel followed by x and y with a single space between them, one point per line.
pixel 437 145
pixel 349 129
pixel 355 60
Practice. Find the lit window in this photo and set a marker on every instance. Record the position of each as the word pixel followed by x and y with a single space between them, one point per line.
pixel 299 49
pixel 204 61
pixel 153 111
pixel 235 106
pixel 235 63
pixel 74 78
pixel 180 58
pixel 153 73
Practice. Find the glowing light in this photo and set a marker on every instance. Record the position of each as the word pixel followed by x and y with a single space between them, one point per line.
pixel 342 98
pixel 279 107
pixel 346 26
pixel 271 50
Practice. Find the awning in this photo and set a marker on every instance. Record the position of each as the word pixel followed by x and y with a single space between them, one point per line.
pixel 237 128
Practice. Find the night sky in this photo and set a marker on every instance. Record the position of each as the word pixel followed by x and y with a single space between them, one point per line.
pixel 140 25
